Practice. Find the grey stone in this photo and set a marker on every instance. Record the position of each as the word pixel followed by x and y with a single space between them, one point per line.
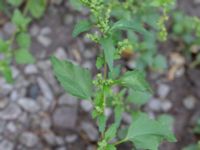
pixel 88 54
pixel 44 103
pixel 44 40
pixel 71 138
pixel 44 65
pixel 34 30
pixel 24 118
pixel 14 95
pixel 90 131
pixel 9 28
pixel 50 138
pixel 15 72
pixel 6 145
pixel 68 19
pixel 197 1
pixel 91 147
pixel 86 105
pixel 21 82
pixel 45 89
pixel 12 111
pixel 29 139
pixel 3 103
pixel 155 104
pixel 67 99
pixel 59 140
pixel 30 69
pixel 126 118
pixel 65 117
pixel 132 64
pixel 61 148
pixel 163 90
pixel 49 76
pixel 88 65
pixel 45 123
pixel 35 120
pixel 60 53
pixel 11 127
pixel 180 72
pixel 166 105
pixel 5 88
pixel 45 31
pixel 189 102
pixel 29 105
pixel 2 125
pixel 108 112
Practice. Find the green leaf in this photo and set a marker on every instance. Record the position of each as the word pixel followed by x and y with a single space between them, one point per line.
pixel 118 115
pixel 160 63
pixel 192 147
pixel 15 2
pixel 37 7
pixel 138 97
pixel 6 71
pixel 129 24
pixel 23 56
pixel 146 133
pixel 110 147
pixel 109 50
pixel 101 121
pixel 75 80
pixel 135 80
pixel 81 27
pixel 111 132
pixel 99 62
pixel 19 20
pixel 23 40
pixel 4 46
pixel 76 4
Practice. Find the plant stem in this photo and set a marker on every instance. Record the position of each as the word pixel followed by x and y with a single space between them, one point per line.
pixel 105 71
pixel 12 39
pixel 121 141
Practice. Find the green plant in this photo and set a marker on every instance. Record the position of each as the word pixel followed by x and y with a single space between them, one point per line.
pixel 19 43
pixel 143 132
pixel 186 31
pixel 193 147
pixel 144 51
pixel 196 130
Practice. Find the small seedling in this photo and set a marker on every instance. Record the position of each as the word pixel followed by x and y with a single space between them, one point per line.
pixel 21 18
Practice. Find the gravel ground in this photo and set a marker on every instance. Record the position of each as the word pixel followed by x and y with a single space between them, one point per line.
pixel 36 113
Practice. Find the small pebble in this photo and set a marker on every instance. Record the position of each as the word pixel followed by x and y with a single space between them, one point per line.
pixel 71 138
pixel 45 41
pixel 30 69
pixel 90 130
pixel 155 104
pixel 163 90
pixel 6 145
pixel 166 105
pixel 29 105
pixel 9 28
pixel 189 102
pixel 67 99
pixel 29 139
pixel 60 53
pixel 86 105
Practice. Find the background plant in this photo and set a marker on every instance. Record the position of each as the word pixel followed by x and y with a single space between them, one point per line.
pixel 186 32
pixel 111 34
pixel 18 45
